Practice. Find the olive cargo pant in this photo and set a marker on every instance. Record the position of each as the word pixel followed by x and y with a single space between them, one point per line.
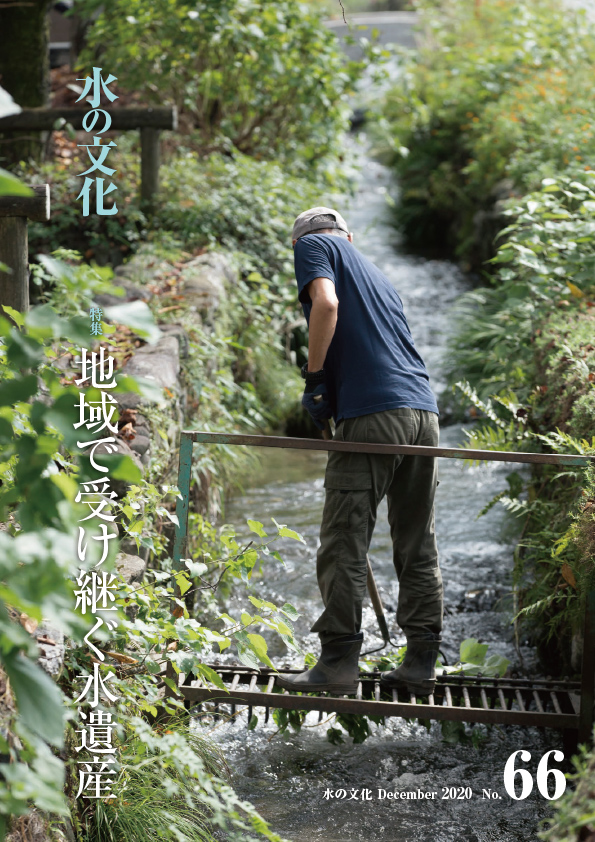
pixel 355 484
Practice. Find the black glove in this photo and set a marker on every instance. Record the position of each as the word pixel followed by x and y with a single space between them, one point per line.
pixel 315 397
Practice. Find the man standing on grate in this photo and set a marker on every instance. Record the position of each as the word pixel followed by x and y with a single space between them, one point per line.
pixel 364 371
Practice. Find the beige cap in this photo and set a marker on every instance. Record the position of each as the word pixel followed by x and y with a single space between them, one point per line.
pixel 316 219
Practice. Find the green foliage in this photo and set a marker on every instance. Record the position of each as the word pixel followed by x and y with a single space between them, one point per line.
pixel 268 80
pixel 525 346
pixel 154 798
pixel 285 719
pixel 40 472
pixel 526 340
pixel 474 660
pixel 242 204
pixel 105 239
pixel 496 92
pixel 67 285
pixel 36 558
pixel 11 186
pixel 574 812
pixel 171 784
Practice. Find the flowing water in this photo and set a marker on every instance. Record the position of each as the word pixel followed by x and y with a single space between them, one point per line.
pixel 288 777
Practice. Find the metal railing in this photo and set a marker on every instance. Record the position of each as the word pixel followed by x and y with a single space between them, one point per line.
pixel 578 714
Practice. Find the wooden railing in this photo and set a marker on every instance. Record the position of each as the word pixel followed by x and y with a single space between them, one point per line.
pixel 149 121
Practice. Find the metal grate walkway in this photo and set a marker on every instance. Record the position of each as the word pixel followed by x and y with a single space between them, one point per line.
pixel 507 701
pixel 563 705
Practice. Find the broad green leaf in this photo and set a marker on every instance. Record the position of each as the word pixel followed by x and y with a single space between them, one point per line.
pixel 44 322
pixel 495 665
pixel 259 645
pixel 285 532
pixel 196 568
pixel 290 611
pixel 11 186
pixel 257 527
pixel 138 316
pixel 17 317
pixel 19 389
pixel 247 655
pixel 183 583
pixel 38 699
pixel 472 651
pixel 66 484
pixel 210 675
pixel 258 603
pixel 42 780
pixel 120 467
pixel 249 559
pixel 148 389
pixel 23 351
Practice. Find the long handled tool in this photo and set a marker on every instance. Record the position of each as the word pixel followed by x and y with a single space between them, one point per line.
pixel 372 586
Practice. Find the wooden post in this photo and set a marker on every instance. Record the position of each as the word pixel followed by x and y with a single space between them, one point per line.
pixel 149 166
pixel 14 252
pixel 585 734
pixel 14 246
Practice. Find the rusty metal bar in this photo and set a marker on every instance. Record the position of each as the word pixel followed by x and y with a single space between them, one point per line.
pixel 405 449
pixel 331 704
pixel 183 502
pixel 370 699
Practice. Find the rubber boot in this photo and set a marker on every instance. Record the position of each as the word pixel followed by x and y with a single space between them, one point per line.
pixel 417 673
pixel 336 671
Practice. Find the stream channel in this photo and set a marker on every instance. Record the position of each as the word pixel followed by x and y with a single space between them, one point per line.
pixel 286 775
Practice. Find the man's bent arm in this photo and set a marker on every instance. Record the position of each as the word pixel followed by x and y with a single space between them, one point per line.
pixel 323 320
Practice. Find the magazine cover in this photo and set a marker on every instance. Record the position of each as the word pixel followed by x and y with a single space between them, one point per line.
pixel 297 420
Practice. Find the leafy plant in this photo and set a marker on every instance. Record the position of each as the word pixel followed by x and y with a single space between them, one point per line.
pixel 574 812
pixel 172 783
pixel 493 102
pixel 39 473
pixel 105 239
pixel 474 660
pixel 235 70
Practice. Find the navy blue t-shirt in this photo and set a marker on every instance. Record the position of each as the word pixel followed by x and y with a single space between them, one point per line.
pixel 372 364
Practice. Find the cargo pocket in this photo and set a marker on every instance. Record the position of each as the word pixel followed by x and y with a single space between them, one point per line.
pixel 347 504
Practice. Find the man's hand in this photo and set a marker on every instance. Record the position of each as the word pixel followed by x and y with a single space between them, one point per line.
pixel 315 398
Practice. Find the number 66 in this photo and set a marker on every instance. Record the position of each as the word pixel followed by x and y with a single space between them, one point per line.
pixel 542 776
